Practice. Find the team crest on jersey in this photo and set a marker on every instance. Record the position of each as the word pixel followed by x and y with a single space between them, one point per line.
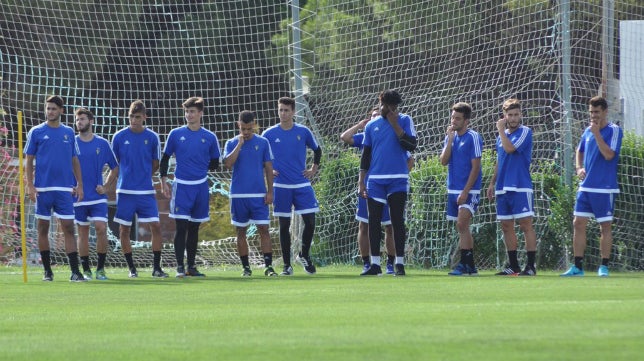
pixel 278 140
pixel 98 150
pixel 127 142
pixel 182 138
pixel 203 140
pixel 145 142
pixel 298 138
pixel 256 147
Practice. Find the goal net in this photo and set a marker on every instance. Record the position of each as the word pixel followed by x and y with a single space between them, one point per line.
pixel 239 55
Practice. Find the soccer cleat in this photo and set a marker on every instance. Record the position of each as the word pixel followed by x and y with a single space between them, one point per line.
pixel 400 270
pixel 133 273
pixel 247 272
pixel 270 272
pixel 471 270
pixel 459 270
pixel 77 277
pixel 193 272
pixel 158 273
pixel 602 271
pixel 87 275
pixel 306 262
pixel 48 276
pixel 374 270
pixel 366 266
pixel 287 271
pixel 181 272
pixel 100 275
pixel 528 271
pixel 573 271
pixel 389 269
pixel 509 271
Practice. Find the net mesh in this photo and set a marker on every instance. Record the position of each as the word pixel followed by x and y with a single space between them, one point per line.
pixel 238 55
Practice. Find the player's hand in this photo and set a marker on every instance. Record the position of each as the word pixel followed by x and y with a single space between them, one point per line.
pixel 462 198
pixel 268 198
pixel 100 189
pixel 500 125
pixel 310 173
pixel 275 173
pixel 450 132
pixel 165 189
pixel 581 173
pixel 362 190
pixel 363 123
pixel 392 117
pixel 31 192
pixel 594 128
pixel 78 193
pixel 490 192
pixel 240 140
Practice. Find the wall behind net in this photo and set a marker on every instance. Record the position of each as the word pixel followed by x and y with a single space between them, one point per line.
pixel 236 55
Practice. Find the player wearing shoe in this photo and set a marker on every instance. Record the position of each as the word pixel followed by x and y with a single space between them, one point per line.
pixel 511 184
pixel 196 150
pixel 354 138
pixel 137 150
pixel 461 153
pixel 95 154
pixel 249 157
pixel 597 158
pixel 387 141
pixel 291 181
pixel 52 145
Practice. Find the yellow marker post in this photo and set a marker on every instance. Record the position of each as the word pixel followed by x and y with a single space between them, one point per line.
pixel 21 182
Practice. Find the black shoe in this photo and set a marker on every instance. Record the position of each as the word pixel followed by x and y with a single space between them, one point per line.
pixel 158 273
pixel 247 272
pixel 270 272
pixel 306 262
pixel 77 277
pixel 192 272
pixel 374 270
pixel 181 272
pixel 48 276
pixel 133 273
pixel 400 270
pixel 287 271
pixel 509 271
pixel 528 271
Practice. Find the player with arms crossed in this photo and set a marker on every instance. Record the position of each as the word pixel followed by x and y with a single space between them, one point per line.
pixel 49 184
pixel 596 162
pixel 462 155
pixel 291 181
pixel 512 186
pixel 95 154
pixel 250 158
pixel 387 141
pixel 197 151
pixel 137 150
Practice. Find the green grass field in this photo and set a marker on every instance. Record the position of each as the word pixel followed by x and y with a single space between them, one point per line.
pixel 334 315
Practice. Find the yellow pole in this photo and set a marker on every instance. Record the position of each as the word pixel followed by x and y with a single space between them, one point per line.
pixel 21 182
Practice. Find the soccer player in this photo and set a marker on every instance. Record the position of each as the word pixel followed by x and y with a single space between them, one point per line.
pixel 597 158
pixel 95 154
pixel 512 185
pixel 49 184
pixel 291 181
pixel 354 138
pixel 250 158
pixel 461 154
pixel 137 150
pixel 387 139
pixel 197 151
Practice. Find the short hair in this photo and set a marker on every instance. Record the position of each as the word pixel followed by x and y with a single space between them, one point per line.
pixel 464 108
pixel 84 111
pixel 287 101
pixel 138 106
pixel 246 117
pixel 194 102
pixel 390 97
pixel 511 103
pixel 598 101
pixel 56 99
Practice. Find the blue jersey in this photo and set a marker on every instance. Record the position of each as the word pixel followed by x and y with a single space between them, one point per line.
pixel 53 150
pixel 248 170
pixel 388 157
pixel 465 148
pixel 193 150
pixel 135 153
pixel 513 171
pixel 289 150
pixel 93 157
pixel 601 174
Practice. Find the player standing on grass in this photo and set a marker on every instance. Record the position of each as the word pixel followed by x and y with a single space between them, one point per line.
pixel 197 151
pixel 597 159
pixel 462 154
pixel 137 150
pixel 95 153
pixel 250 158
pixel 512 185
pixel 291 182
pixel 49 184
pixel 387 139
pixel 353 138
